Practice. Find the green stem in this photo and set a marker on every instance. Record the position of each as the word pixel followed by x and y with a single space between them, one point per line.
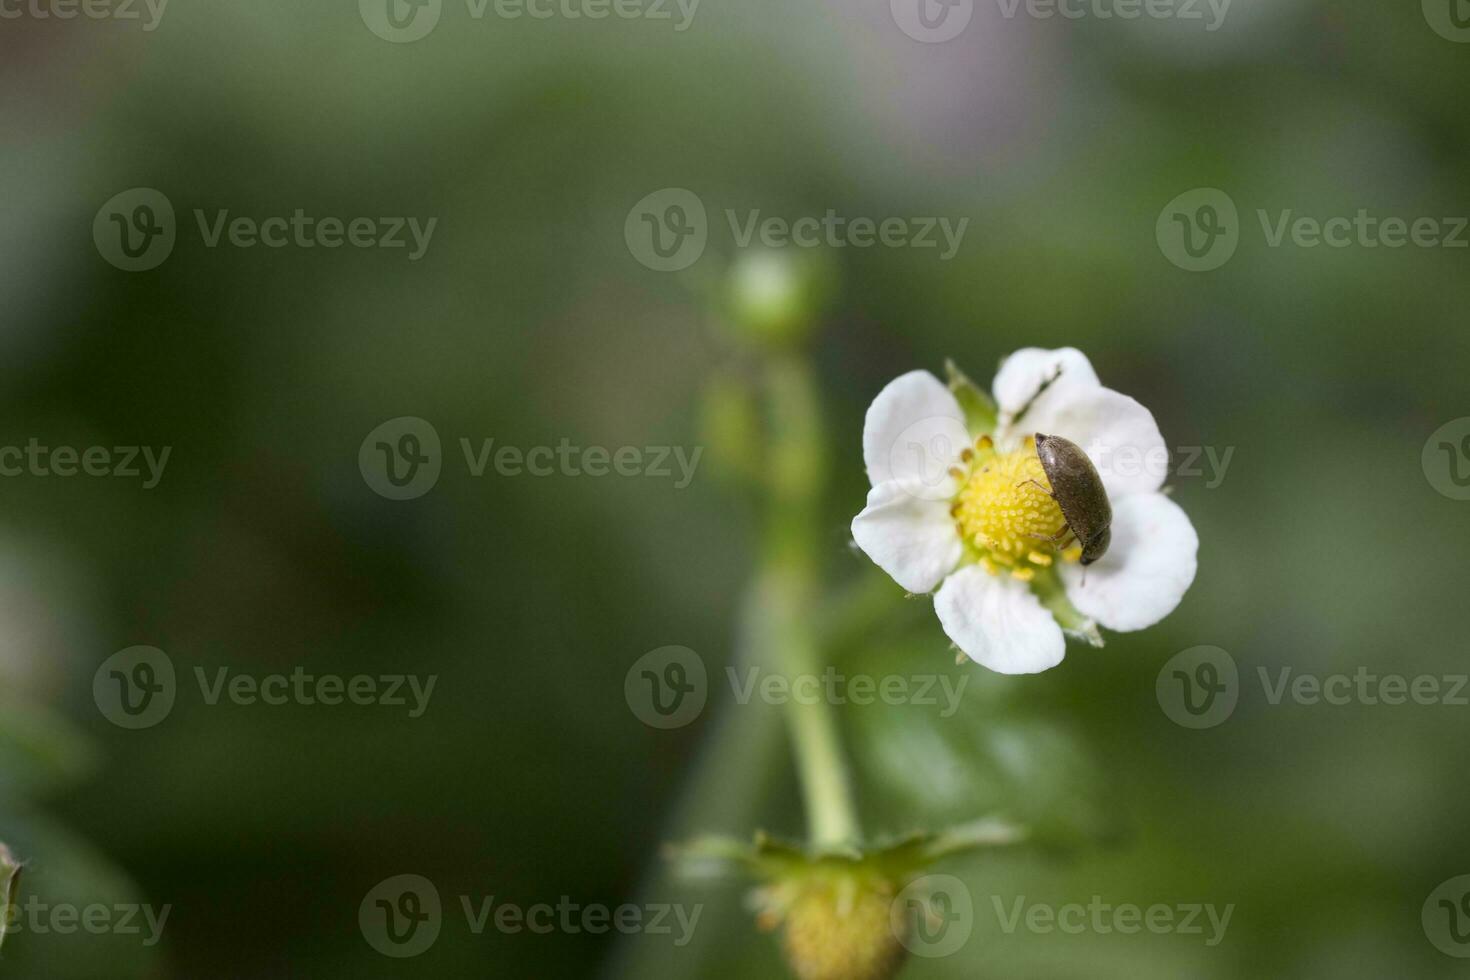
pixel 832 819
pixel 788 593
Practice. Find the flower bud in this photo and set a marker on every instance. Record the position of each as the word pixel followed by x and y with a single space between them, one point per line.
pixel 775 297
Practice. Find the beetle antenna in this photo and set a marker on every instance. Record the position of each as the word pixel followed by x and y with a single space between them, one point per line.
pixel 1045 384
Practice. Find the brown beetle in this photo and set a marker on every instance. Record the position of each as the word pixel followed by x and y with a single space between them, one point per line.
pixel 1078 490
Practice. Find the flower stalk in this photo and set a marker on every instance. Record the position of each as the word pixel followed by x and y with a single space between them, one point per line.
pixel 789 595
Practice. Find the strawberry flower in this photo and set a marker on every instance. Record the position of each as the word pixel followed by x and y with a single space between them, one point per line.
pixel 961 502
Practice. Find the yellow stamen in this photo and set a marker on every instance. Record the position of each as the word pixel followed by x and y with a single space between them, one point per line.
pixel 1037 558
pixel 1005 507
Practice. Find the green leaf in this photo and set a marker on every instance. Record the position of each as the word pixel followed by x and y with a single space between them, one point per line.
pixel 977 746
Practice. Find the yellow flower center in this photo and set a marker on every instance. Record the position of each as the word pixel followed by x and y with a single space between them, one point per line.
pixel 1004 510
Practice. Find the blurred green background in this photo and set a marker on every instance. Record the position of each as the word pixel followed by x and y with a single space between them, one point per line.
pixel 1323 548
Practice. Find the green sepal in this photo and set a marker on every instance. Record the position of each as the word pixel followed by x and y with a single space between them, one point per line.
pixel 980 411
pixel 898 858
pixel 1048 588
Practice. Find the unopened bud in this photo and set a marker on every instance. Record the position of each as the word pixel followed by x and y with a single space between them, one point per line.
pixel 775 296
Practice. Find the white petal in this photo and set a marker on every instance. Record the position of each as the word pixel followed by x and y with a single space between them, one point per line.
pixel 914 429
pixel 1119 435
pixel 998 622
pixel 1147 569
pixel 911 538
pixel 1023 373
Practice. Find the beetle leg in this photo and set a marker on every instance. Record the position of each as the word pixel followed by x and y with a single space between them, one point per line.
pixel 1037 486
pixel 1061 536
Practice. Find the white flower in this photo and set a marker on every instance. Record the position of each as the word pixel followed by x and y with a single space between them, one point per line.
pixel 964 501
